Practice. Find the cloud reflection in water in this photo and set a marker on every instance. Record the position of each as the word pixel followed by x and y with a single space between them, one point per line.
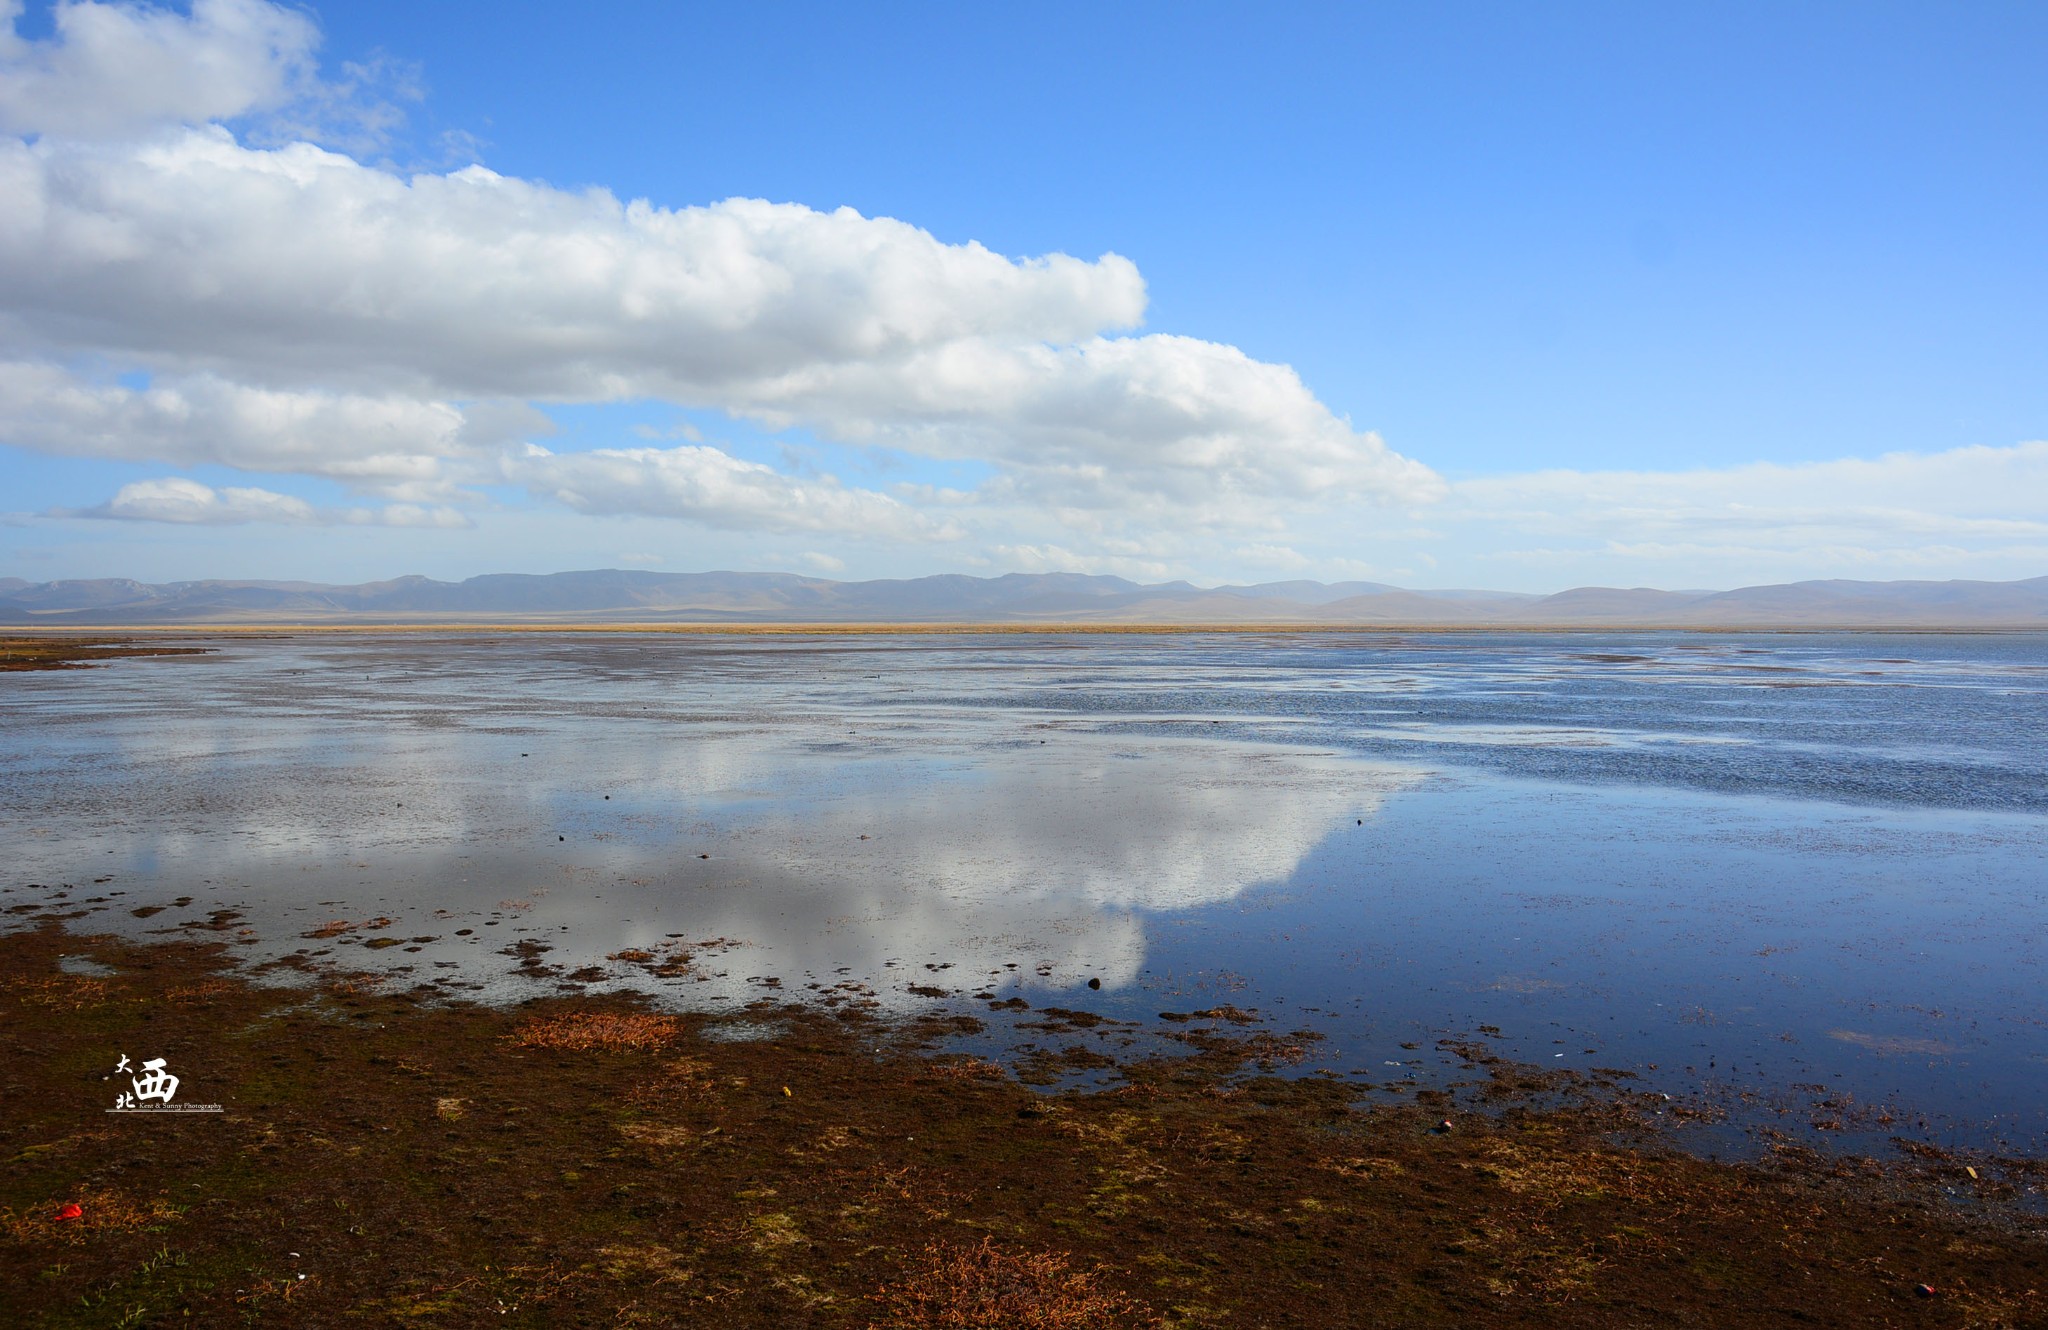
pixel 827 859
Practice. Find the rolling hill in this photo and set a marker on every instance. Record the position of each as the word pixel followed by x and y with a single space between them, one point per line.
pixel 624 596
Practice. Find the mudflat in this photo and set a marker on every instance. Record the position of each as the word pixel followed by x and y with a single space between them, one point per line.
pixel 55 651
pixel 385 1156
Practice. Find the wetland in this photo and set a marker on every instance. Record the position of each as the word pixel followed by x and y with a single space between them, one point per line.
pixel 1151 968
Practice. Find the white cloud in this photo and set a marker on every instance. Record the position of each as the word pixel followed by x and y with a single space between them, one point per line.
pixel 1274 556
pixel 113 69
pixel 185 502
pixel 300 312
pixel 709 486
pixel 396 446
pixel 1979 493
pixel 303 270
pixel 1964 509
pixel 118 70
pixel 1059 559
pixel 1129 423
pixel 190 503
pixel 357 113
pixel 432 517
pixel 192 249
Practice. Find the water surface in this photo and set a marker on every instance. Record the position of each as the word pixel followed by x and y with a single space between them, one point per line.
pixel 1801 876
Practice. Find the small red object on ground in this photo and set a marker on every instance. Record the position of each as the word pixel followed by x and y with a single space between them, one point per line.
pixel 72 1211
pixel 1924 1290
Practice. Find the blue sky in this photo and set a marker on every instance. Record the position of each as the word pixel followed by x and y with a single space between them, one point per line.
pixel 1671 295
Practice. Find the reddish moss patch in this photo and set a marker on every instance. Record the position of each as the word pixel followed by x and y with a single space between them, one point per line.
pixel 614 1031
pixel 959 1287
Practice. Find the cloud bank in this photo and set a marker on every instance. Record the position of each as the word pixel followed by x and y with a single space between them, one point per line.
pixel 293 310
pixel 1901 514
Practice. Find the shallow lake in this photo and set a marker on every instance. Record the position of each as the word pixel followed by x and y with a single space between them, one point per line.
pixel 1800 877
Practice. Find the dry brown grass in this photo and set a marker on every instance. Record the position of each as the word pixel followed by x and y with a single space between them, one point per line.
pixel 61 992
pixel 99 1212
pixel 343 987
pixel 660 1135
pixel 644 1264
pixel 614 1031
pixel 987 1288
pixel 337 927
pixel 964 1068
pixel 71 651
pixel 685 1080
pixel 205 991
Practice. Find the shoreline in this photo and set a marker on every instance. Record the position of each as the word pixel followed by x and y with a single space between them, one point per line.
pixel 579 1158
pixel 22 654
pixel 1062 628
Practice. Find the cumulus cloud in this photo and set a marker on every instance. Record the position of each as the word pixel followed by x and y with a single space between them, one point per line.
pixel 396 446
pixel 113 69
pixel 186 502
pixel 190 503
pixel 298 269
pixel 1154 421
pixel 282 263
pixel 715 488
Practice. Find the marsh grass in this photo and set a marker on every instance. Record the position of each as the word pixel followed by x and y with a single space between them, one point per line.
pixel 613 1031
pixel 581 1162
pixel 955 1286
pixel 76 652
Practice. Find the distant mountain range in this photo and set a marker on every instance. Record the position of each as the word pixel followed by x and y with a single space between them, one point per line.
pixel 616 596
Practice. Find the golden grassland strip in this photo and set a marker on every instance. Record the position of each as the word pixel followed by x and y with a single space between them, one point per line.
pixel 916 628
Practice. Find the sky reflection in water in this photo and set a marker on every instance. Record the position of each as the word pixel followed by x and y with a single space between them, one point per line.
pixel 1756 862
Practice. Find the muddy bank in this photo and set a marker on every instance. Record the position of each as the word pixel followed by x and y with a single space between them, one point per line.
pixel 382 1160
pixel 77 653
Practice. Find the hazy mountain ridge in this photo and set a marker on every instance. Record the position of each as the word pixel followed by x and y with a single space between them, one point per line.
pixel 634 596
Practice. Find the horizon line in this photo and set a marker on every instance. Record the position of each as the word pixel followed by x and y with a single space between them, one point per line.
pixel 854 628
